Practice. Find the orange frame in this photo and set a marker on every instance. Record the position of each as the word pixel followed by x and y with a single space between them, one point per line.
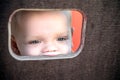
pixel 77 21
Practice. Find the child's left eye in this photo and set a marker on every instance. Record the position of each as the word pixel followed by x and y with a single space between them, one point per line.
pixel 34 42
pixel 62 38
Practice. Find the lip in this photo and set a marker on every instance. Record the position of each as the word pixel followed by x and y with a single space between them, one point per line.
pixel 51 53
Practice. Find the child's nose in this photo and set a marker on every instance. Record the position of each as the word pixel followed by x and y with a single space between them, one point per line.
pixel 49 47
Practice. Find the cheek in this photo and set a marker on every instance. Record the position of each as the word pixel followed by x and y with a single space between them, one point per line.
pixel 27 50
pixel 63 48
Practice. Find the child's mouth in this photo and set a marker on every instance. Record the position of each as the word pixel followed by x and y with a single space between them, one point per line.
pixel 51 53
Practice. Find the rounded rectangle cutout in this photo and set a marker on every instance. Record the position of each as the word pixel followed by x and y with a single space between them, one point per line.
pixel 45 34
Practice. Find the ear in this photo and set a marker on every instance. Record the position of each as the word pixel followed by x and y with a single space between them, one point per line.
pixel 14 45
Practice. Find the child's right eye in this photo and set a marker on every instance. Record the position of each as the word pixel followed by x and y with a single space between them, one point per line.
pixel 34 42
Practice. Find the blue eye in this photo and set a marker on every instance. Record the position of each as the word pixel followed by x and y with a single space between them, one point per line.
pixel 62 38
pixel 34 42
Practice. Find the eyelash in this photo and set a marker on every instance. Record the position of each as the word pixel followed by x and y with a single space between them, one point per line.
pixel 37 41
pixel 34 42
pixel 62 38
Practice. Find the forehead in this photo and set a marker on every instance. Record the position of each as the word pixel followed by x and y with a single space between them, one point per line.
pixel 51 16
pixel 46 16
pixel 43 14
pixel 44 22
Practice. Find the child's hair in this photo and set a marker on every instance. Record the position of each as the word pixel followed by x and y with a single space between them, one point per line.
pixel 16 18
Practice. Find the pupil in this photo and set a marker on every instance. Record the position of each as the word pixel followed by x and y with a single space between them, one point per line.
pixel 34 42
pixel 62 38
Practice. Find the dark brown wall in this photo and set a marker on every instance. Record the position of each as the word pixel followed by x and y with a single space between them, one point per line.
pixel 99 60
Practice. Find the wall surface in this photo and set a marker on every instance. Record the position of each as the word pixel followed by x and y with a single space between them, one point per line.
pixel 99 59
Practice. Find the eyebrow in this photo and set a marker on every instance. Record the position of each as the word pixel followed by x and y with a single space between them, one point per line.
pixel 62 33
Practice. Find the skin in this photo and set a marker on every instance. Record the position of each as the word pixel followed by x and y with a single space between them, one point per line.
pixel 42 34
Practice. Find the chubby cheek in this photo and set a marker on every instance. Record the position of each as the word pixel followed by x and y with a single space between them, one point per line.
pixel 30 50
pixel 36 50
pixel 63 48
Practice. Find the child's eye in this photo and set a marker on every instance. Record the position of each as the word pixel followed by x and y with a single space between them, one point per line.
pixel 62 38
pixel 34 42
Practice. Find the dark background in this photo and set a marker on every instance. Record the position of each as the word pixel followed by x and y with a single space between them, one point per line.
pixel 99 59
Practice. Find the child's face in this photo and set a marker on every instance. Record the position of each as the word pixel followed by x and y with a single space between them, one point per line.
pixel 43 34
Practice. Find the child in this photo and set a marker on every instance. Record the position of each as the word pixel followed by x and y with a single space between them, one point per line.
pixel 35 33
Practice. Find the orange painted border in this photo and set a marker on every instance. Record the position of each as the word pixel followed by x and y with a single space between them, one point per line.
pixel 77 20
